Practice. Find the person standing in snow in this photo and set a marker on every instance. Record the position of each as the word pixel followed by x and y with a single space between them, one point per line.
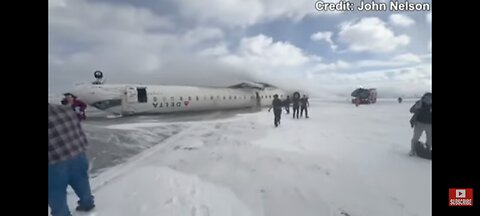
pixel 77 105
pixel 67 161
pixel 296 104
pixel 277 109
pixel 421 121
pixel 303 106
pixel 286 103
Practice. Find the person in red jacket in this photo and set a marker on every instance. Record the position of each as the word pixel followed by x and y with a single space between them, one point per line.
pixel 77 105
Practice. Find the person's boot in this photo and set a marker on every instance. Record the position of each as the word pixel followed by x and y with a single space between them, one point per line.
pixel 81 208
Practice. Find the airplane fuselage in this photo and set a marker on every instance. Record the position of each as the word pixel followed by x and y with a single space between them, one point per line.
pixel 152 99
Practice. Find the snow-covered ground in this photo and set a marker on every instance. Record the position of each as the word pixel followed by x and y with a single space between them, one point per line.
pixel 344 160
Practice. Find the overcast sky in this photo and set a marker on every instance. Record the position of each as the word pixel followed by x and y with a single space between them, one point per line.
pixel 221 42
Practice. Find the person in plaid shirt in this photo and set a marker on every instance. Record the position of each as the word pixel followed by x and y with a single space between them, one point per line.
pixel 67 161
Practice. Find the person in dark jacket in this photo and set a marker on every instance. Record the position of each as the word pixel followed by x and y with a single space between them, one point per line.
pixel 400 100
pixel 77 105
pixel 422 121
pixel 296 104
pixel 277 109
pixel 287 103
pixel 303 106
pixel 67 161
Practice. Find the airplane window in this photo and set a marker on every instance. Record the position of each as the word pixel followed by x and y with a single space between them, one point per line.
pixel 172 98
pixel 181 98
pixel 204 97
pixel 211 97
pixel 244 97
pixel 270 96
pixel 164 98
pixel 235 97
pixel 230 97
pixel 197 98
pixel 224 97
pixel 189 98
pixel 102 105
pixel 218 97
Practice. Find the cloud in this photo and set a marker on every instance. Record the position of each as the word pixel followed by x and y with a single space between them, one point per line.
pixel 231 13
pixel 333 67
pixel 401 20
pixel 429 18
pixel 261 51
pixel 364 66
pixel 203 34
pixel 408 58
pixel 371 35
pixel 215 51
pixel 264 59
pixel 243 13
pixel 324 36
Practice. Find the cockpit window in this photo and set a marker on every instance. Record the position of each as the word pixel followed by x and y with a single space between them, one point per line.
pixel 103 105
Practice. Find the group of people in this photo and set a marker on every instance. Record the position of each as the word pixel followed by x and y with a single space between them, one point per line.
pixel 299 106
pixel 421 120
pixel 67 159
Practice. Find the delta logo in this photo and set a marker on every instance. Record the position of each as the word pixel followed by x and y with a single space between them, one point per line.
pixel 460 197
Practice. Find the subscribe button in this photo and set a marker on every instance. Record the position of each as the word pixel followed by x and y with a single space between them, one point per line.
pixel 460 197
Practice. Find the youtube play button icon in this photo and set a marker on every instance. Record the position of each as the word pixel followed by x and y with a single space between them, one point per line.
pixel 460 193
